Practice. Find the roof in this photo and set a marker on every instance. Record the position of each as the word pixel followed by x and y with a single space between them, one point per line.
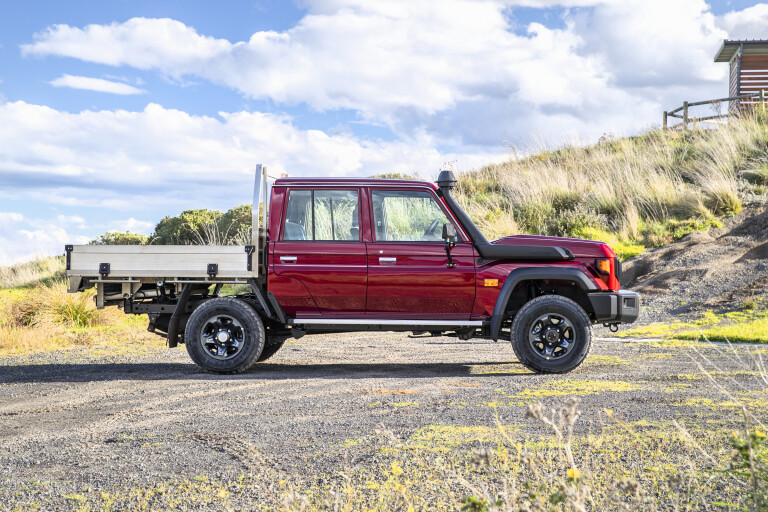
pixel 350 182
pixel 751 47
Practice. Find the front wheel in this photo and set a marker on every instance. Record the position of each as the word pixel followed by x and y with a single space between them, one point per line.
pixel 551 334
pixel 224 335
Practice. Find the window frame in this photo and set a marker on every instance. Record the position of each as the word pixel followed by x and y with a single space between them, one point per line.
pixel 460 234
pixel 325 188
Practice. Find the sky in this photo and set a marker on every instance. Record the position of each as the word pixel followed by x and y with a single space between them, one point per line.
pixel 116 114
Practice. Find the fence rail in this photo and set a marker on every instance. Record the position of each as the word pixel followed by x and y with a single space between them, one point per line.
pixel 686 118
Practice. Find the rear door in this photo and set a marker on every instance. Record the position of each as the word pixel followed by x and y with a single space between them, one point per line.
pixel 320 246
pixel 408 273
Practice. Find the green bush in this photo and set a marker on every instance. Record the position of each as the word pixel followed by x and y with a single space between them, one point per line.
pixel 118 238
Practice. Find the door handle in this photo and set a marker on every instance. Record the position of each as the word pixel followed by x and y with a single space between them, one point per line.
pixel 387 261
pixel 287 259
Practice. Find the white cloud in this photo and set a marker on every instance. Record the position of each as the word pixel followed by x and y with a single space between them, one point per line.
pixel 134 160
pixel 95 84
pixel 20 240
pixel 133 225
pixel 751 23
pixel 432 66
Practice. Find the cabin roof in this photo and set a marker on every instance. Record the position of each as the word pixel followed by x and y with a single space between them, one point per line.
pixel 751 47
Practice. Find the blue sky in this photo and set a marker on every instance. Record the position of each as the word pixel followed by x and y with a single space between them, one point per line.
pixel 115 114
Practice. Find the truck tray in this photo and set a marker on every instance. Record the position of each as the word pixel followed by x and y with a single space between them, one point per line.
pixel 161 261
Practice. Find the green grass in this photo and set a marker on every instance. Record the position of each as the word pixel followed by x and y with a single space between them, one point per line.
pixel 747 326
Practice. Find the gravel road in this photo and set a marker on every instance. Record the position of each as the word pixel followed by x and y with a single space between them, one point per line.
pixel 80 421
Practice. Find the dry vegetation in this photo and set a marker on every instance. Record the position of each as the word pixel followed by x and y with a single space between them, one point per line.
pixel 632 192
pixel 37 313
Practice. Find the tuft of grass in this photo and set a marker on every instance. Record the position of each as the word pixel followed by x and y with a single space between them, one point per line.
pixel 757 175
pixel 52 304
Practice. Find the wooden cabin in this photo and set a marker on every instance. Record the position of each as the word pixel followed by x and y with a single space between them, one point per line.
pixel 748 61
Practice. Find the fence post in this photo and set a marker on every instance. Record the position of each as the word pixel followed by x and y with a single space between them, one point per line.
pixel 664 124
pixel 762 100
pixel 685 115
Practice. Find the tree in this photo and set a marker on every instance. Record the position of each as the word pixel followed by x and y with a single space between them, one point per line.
pixel 118 238
pixel 188 228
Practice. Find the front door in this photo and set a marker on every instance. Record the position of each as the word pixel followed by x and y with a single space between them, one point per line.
pixel 408 273
pixel 321 247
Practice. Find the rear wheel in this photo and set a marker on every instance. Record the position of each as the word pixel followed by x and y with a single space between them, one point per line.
pixel 551 334
pixel 224 335
pixel 271 350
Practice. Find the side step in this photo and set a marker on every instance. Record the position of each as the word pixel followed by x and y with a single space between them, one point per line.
pixel 376 324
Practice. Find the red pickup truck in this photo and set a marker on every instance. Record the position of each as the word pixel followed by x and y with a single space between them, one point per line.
pixel 346 255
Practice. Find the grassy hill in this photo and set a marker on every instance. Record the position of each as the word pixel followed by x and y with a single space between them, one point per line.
pixel 633 193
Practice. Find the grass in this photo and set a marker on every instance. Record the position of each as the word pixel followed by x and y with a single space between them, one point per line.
pixel 30 273
pixel 633 193
pixel 45 317
pixel 747 326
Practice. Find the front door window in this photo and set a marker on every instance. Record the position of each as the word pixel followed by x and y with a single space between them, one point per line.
pixel 407 216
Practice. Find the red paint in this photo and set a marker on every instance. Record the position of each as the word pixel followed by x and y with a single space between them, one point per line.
pixel 347 279
pixel 420 284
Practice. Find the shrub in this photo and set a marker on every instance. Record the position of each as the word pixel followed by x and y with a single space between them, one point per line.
pixel 53 305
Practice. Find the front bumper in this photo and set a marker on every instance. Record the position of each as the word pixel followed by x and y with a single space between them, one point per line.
pixel 622 307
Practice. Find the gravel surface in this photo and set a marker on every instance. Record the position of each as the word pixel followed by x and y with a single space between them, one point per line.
pixel 74 421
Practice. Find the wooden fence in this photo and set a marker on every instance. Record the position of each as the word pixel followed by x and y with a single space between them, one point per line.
pixel 683 113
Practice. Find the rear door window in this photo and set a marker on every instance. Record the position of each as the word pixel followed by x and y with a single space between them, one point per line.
pixel 322 215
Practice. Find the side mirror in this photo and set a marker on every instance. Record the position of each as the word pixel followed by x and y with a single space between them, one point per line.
pixel 449 235
pixel 449 232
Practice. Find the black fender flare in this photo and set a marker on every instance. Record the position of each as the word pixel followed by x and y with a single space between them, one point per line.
pixel 515 277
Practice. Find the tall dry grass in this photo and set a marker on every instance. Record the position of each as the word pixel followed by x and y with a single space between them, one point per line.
pixel 637 189
pixel 47 317
pixel 32 272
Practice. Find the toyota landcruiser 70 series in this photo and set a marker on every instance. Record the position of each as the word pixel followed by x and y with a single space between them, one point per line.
pixel 348 255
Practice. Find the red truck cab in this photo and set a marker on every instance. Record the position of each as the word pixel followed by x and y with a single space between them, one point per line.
pixel 362 254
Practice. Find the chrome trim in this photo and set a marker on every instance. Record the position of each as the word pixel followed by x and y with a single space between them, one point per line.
pixel 288 259
pixel 378 321
pixel 387 260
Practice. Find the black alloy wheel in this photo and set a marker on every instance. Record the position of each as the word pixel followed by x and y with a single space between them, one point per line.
pixel 551 334
pixel 224 335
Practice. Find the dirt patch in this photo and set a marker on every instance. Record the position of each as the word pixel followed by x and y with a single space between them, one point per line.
pixel 718 270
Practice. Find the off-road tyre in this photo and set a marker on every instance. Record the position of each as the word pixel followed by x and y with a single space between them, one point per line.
pixel 271 349
pixel 250 327
pixel 524 324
